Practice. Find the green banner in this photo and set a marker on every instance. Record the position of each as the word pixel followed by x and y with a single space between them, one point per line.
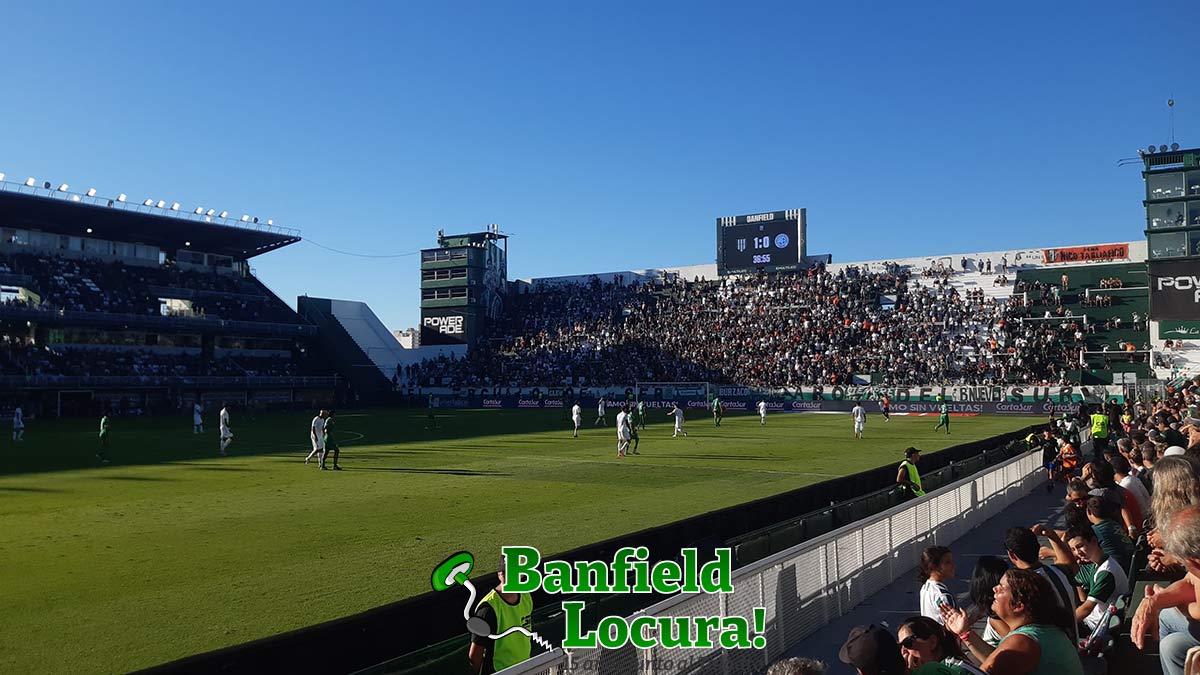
pixel 1179 330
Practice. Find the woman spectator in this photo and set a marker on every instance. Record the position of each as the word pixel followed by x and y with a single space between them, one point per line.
pixel 1037 643
pixel 984 579
pixel 924 641
pixel 935 569
pixel 1176 486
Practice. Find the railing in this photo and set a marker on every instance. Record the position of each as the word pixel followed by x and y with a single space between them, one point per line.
pixel 44 312
pixel 247 381
pixel 812 583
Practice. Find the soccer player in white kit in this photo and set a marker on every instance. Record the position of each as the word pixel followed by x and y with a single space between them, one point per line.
pixel 316 434
pixel 601 415
pixel 197 421
pixel 18 424
pixel 577 418
pixel 762 413
pixel 226 433
pixel 623 432
pixel 677 413
pixel 860 419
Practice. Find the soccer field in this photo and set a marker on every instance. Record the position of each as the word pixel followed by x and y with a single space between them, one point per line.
pixel 172 550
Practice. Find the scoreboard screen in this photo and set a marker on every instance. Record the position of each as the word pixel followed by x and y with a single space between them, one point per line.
pixel 762 241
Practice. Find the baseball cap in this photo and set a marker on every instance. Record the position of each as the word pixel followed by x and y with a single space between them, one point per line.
pixel 869 648
pixel 1174 450
pixel 1154 435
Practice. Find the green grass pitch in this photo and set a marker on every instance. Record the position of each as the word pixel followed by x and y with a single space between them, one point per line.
pixel 172 550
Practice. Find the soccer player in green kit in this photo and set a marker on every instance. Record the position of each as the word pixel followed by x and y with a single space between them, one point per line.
pixel 943 416
pixel 330 444
pixel 641 411
pixel 717 411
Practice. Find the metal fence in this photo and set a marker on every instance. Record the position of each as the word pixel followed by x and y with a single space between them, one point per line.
pixel 808 585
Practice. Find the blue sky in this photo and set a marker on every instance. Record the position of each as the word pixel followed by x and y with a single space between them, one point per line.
pixel 603 136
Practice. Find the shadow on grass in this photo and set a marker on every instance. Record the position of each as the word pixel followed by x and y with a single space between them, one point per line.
pixel 141 479
pixel 449 472
pixel 27 489
pixel 749 458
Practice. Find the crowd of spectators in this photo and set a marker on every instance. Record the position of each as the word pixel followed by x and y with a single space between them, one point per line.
pixel 92 285
pixel 1053 608
pixel 816 327
pixel 21 359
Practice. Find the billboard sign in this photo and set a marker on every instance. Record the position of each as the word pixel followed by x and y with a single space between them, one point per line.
pixel 1175 290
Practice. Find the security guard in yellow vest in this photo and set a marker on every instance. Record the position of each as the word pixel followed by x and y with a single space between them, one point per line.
pixel 501 611
pixel 1099 431
pixel 908 477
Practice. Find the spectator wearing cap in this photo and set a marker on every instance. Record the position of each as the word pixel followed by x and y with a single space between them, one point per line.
pixel 1038 642
pixel 1172 614
pixel 873 651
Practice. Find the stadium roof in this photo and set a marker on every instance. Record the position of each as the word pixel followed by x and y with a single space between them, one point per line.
pixel 61 212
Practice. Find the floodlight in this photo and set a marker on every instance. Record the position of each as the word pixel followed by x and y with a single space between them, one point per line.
pixel 74 198
pixel 210 212
pixel 270 221
pixel 89 230
pixel 148 202
pixel 29 182
pixel 224 214
pixel 245 217
pixel 63 187
pixel 121 197
pixel 162 204
pixel 255 220
pixel 1151 149
pixel 187 243
pixel 1 176
pixel 175 206
pixel 46 185
pixel 1162 148
pixel 1174 147
pixel 91 192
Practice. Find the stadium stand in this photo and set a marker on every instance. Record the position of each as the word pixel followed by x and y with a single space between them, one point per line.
pixel 822 326
pixel 157 313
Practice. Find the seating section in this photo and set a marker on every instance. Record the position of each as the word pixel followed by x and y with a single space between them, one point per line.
pixel 1116 318
pixel 17 358
pixel 89 285
pixel 900 326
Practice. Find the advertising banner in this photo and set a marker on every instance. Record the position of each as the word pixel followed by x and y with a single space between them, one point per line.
pixel 1175 290
pixel 1179 330
pixel 1074 254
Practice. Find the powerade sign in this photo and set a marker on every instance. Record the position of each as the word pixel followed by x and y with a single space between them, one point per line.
pixel 1175 290
pixel 445 327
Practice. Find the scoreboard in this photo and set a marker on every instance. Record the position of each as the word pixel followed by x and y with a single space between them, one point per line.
pixel 769 241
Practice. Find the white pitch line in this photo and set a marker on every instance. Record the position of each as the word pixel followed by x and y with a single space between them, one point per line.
pixel 676 466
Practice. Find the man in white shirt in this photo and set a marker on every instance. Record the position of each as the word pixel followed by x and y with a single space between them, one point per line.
pixel 677 413
pixel 316 434
pixel 1122 472
pixel 623 433
pixel 762 413
pixel 18 424
pixel 601 414
pixel 197 421
pixel 576 418
pixel 226 432
pixel 860 419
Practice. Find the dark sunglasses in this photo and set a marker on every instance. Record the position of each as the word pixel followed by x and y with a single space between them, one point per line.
pixel 909 641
